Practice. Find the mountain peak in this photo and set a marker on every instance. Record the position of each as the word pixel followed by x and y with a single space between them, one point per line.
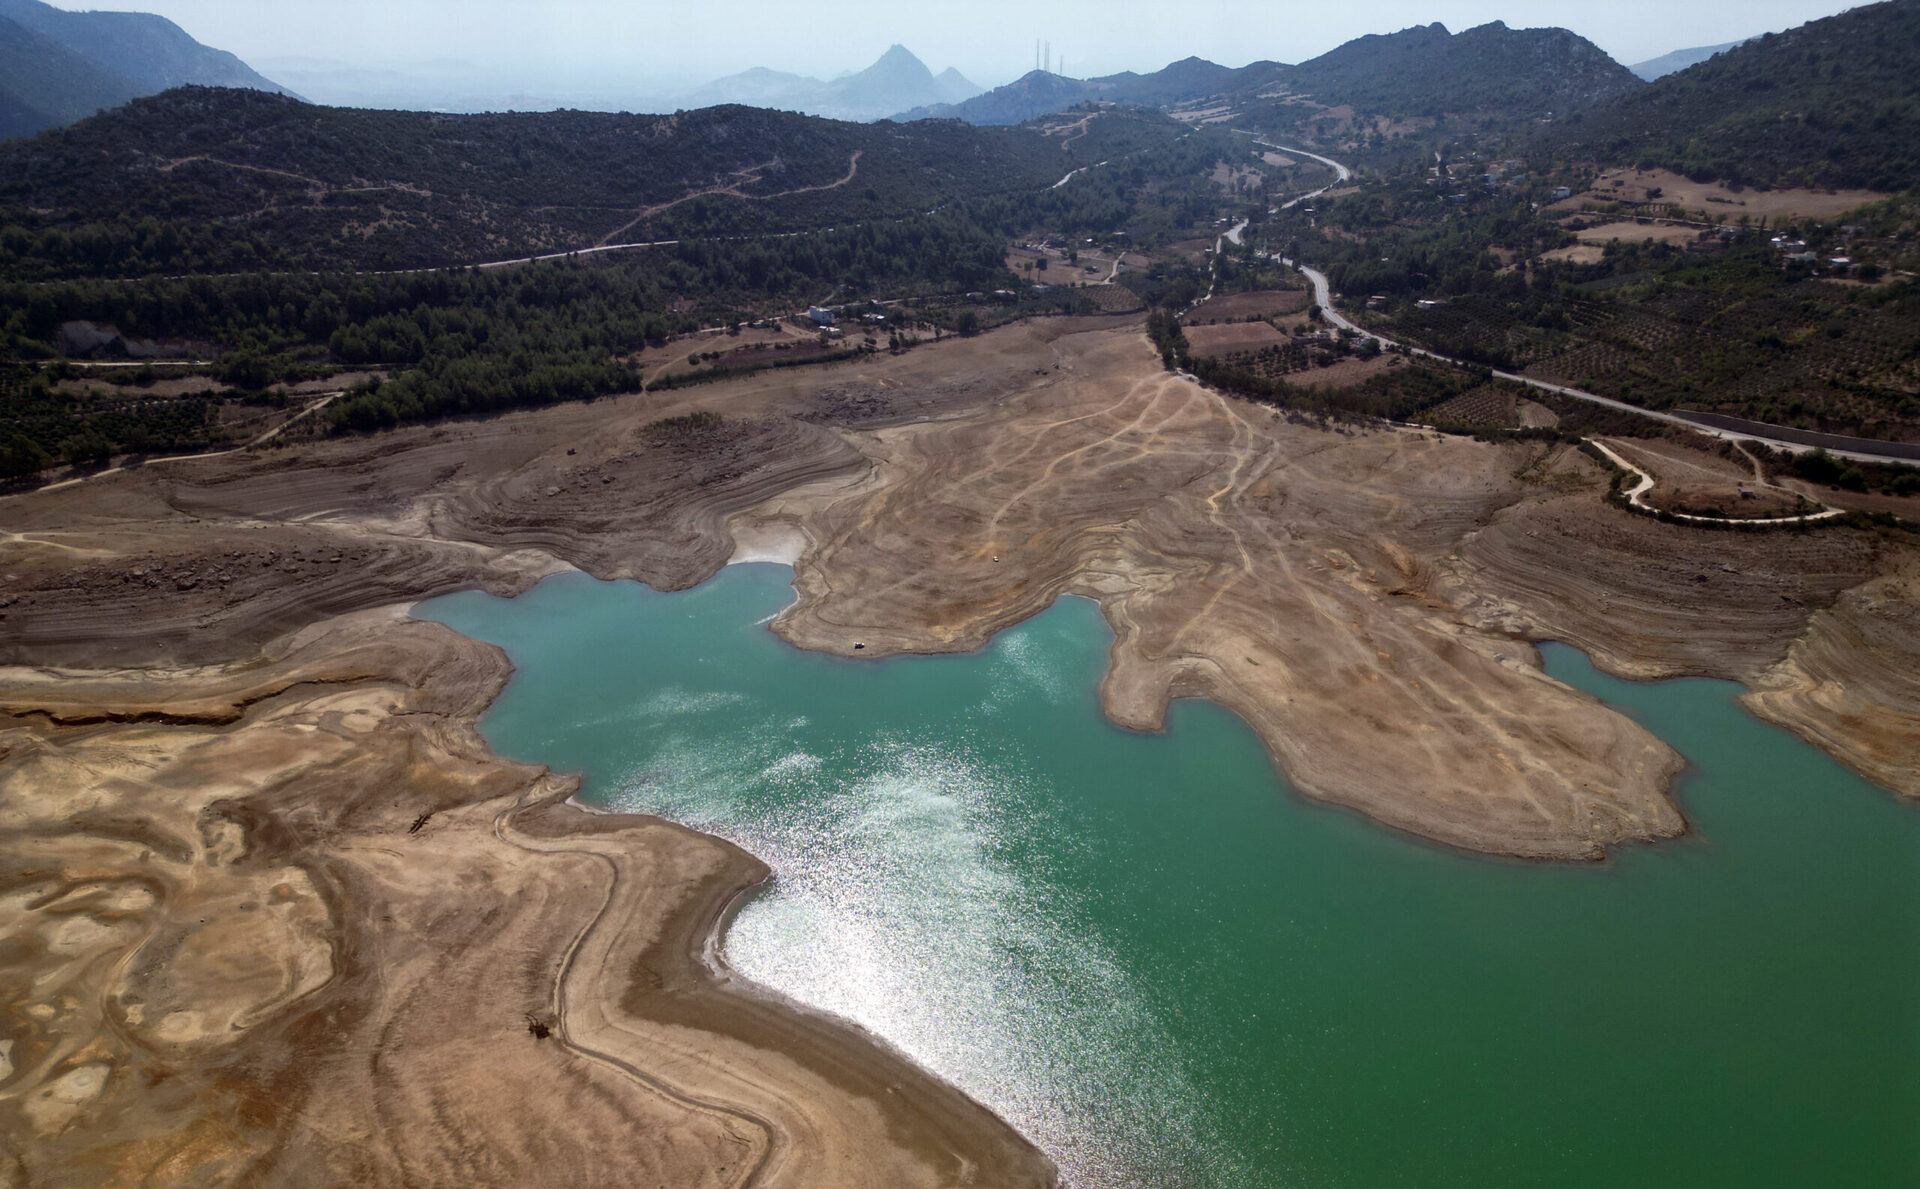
pixel 1426 70
pixel 897 63
pixel 897 81
pixel 954 87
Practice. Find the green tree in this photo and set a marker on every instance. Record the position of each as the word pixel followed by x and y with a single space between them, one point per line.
pixel 22 456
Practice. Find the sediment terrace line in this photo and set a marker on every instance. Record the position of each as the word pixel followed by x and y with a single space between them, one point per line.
pixel 773 1138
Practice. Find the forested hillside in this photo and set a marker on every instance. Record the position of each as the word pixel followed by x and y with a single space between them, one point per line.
pixel 1832 103
pixel 1189 78
pixel 463 341
pixel 1429 71
pixel 214 180
pixel 1034 94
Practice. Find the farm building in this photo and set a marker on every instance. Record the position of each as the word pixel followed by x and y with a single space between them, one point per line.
pixel 821 315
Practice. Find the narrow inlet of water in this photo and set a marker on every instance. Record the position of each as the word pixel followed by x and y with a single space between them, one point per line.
pixel 1166 968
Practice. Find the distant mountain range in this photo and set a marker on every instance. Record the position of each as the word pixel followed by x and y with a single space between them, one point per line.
pixel 1424 70
pixel 1041 92
pixel 897 82
pixel 1835 102
pixel 58 66
pixel 1679 60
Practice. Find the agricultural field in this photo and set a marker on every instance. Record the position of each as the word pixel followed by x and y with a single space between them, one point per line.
pixel 1490 406
pixel 1258 303
pixel 1192 249
pixel 1813 354
pixel 1348 371
pixel 1714 199
pixel 1576 254
pixel 1232 338
pixel 1203 112
pixel 1267 354
pixel 1645 231
pixel 1111 299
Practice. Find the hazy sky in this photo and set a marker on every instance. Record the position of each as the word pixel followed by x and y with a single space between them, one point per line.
pixel 991 41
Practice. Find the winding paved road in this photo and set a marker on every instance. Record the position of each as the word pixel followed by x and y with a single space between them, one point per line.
pixel 1323 297
pixel 1340 172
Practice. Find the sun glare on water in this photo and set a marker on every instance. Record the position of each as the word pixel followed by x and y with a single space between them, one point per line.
pixel 896 905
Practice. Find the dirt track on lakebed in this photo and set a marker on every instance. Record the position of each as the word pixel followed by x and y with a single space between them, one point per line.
pixel 234 957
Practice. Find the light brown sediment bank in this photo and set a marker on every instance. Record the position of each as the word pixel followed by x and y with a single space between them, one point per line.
pixel 215 713
pixel 307 932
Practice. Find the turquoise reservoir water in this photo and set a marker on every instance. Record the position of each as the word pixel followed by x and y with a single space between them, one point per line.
pixel 1169 970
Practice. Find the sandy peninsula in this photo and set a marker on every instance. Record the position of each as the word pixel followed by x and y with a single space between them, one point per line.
pixel 276 915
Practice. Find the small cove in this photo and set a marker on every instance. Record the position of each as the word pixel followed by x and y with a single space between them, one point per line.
pixel 1163 966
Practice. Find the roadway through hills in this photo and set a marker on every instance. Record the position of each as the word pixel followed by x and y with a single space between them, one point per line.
pixel 1322 297
pixel 1856 449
